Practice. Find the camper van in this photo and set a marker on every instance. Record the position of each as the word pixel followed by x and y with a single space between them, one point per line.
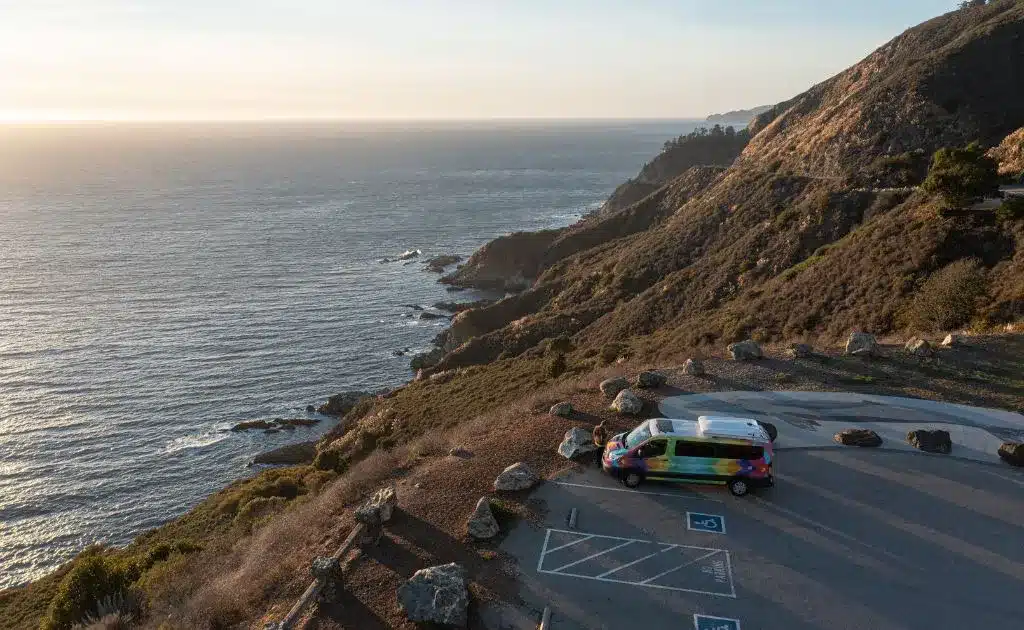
pixel 736 452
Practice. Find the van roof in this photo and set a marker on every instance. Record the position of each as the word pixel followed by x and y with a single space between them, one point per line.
pixel 711 427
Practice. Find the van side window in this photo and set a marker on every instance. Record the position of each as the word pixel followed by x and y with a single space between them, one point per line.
pixel 654 448
pixel 694 449
pixel 733 451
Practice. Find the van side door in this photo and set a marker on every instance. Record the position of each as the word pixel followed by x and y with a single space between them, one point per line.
pixel 694 460
pixel 654 454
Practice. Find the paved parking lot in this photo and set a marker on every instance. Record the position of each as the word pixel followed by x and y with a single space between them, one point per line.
pixel 848 539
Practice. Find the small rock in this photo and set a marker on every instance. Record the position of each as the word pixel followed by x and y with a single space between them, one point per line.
pixel 931 441
pixel 290 455
pixel 516 477
pixel 748 350
pixel 436 595
pixel 310 409
pixel 862 344
pixel 576 442
pixel 919 347
pixel 1012 453
pixel 460 452
pixel 427 315
pixel 409 254
pixel 613 386
pixel 437 264
pixel 628 403
pixel 952 341
pixel 417 485
pixel 858 437
pixel 800 351
pixel 651 380
pixel 325 567
pixel 694 367
pixel 252 424
pixel 482 525
pixel 562 410
pixel 378 509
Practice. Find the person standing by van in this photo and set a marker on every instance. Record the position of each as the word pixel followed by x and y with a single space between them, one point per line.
pixel 600 437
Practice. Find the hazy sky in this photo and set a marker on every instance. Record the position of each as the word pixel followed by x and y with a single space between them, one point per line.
pixel 223 59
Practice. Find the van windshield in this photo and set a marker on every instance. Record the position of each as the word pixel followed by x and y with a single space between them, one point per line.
pixel 638 435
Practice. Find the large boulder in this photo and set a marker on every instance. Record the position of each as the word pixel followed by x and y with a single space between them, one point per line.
pixel 952 340
pixel 290 455
pixel 481 524
pixel 628 403
pixel 651 380
pixel 694 367
pixel 1012 453
pixel 858 437
pixel 861 344
pixel 341 404
pixel 427 359
pixel 378 509
pixel 919 347
pixel 800 351
pixel 937 441
pixel 516 477
pixel 325 567
pixel 576 442
pixel 562 410
pixel 611 387
pixel 748 350
pixel 436 595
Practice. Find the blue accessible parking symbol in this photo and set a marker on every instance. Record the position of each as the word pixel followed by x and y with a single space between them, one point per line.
pixel 701 622
pixel 711 523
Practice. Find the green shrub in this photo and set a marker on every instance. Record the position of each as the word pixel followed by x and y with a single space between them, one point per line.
pixel 557 365
pixel 560 344
pixel 1011 210
pixel 959 175
pixel 258 508
pixel 95 578
pixel 949 298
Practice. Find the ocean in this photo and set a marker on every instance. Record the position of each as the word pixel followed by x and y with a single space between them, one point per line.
pixel 160 283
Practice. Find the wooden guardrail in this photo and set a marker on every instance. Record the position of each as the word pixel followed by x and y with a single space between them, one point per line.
pixel 317 585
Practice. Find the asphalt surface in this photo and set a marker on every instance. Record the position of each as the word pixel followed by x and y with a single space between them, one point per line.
pixel 848 540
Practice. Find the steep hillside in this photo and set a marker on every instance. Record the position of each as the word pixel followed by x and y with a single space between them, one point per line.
pixel 1010 155
pixel 788 242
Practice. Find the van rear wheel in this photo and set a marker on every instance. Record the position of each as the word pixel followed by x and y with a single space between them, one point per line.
pixel 632 480
pixel 738 487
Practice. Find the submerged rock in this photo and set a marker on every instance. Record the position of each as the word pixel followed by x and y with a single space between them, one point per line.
pixel 436 595
pixel 252 424
pixel 437 264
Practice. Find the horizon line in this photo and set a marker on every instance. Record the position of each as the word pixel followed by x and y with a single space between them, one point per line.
pixel 27 121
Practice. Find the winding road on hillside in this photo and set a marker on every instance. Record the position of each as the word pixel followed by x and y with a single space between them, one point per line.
pixel 888 538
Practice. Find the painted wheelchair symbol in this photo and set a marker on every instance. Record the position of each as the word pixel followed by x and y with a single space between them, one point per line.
pixel 709 523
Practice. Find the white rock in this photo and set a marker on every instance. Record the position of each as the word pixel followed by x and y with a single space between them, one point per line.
pixel 576 442
pixel 628 403
pixel 862 344
pixel 518 476
pixel 952 340
pixel 378 508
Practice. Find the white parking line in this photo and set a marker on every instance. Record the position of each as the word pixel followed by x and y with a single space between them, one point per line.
pixel 725 566
pixel 654 494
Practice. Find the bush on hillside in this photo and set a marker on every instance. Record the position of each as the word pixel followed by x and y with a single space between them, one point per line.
pixel 557 365
pixel 949 298
pixel 960 175
pixel 96 577
pixel 1011 210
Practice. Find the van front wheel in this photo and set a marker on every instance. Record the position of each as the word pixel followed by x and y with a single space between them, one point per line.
pixel 738 487
pixel 632 480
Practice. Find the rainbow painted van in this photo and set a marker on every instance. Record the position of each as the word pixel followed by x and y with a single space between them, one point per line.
pixel 736 452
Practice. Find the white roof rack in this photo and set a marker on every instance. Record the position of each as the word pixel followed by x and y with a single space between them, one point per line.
pixel 730 427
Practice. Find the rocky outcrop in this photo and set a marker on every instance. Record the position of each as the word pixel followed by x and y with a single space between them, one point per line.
pixel 275 424
pixel 936 441
pixel 481 524
pixel 748 350
pixel 429 316
pixel 516 477
pixel 562 410
pixel 858 437
pixel 340 404
pixel 576 442
pixel 861 344
pixel 800 351
pixel 436 595
pixel 612 386
pixel 437 264
pixel 290 455
pixel 1010 154
pixel 651 380
pixel 628 403
pixel 508 263
pixel 1012 453
pixel 378 508
pixel 694 367
pixel 919 348
pixel 427 360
